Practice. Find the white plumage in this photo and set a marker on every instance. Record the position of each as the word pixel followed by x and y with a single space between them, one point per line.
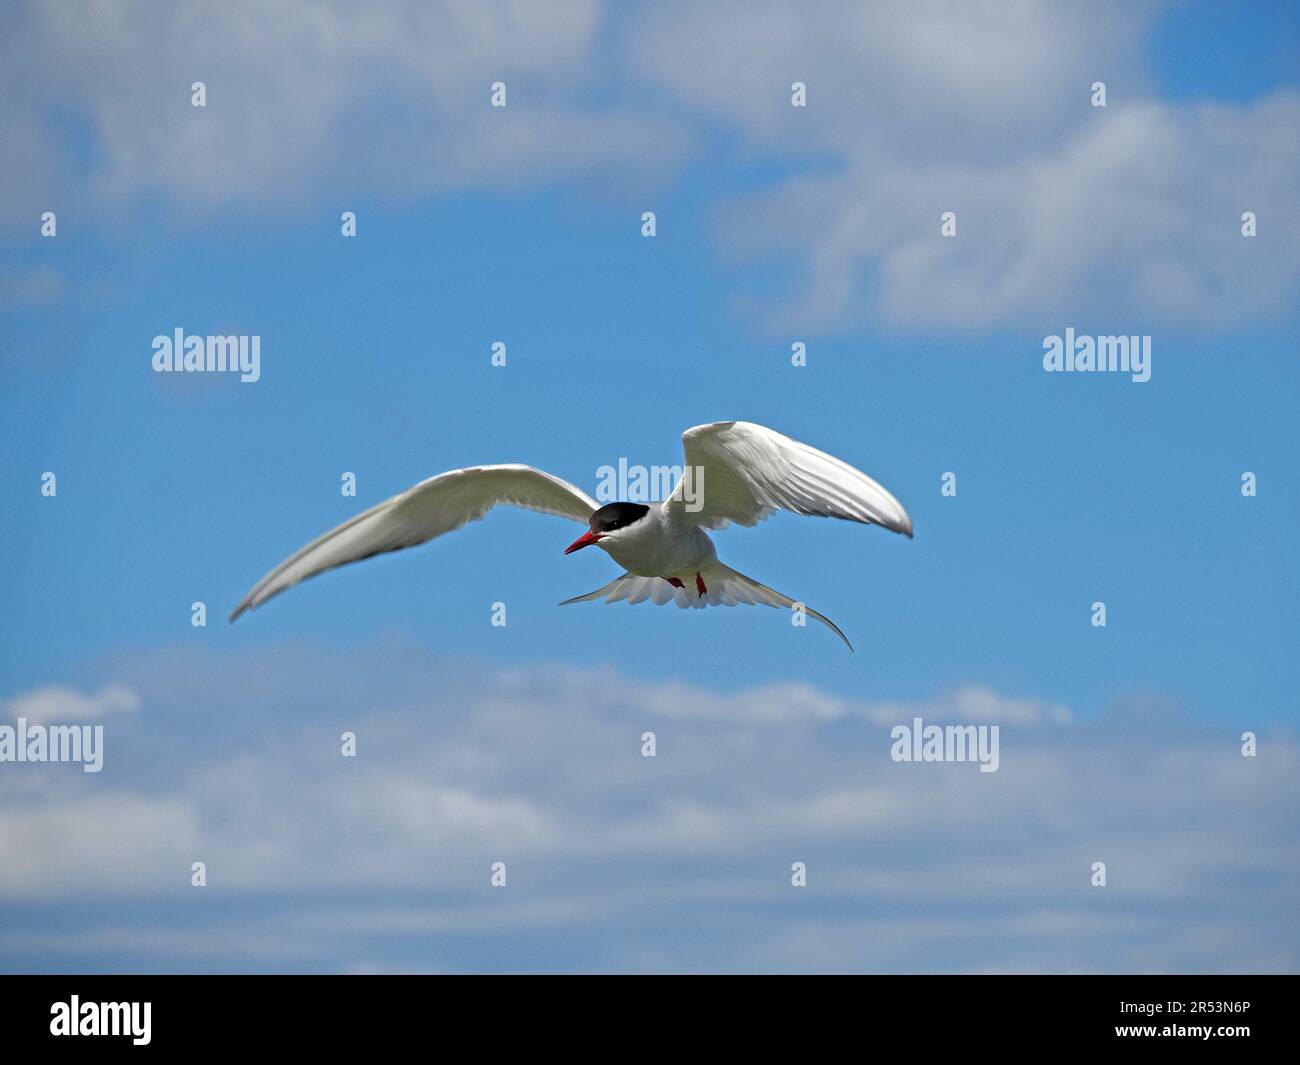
pixel 421 513
pixel 735 472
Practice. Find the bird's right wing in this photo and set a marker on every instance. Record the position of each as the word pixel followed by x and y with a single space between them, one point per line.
pixel 429 509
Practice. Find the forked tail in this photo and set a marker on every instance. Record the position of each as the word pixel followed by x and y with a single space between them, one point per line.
pixel 724 586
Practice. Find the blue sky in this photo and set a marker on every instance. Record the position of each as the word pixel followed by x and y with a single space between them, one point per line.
pixel 521 743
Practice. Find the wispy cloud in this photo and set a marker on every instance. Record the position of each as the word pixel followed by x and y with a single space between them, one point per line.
pixel 1133 217
pixel 304 104
pixel 456 770
pixel 58 702
pixel 1131 211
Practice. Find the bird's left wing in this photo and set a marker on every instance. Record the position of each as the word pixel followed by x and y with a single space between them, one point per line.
pixel 419 514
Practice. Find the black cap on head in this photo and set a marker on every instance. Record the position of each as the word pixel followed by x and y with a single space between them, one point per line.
pixel 616 515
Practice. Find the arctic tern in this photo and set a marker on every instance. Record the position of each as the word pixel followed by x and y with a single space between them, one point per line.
pixel 733 472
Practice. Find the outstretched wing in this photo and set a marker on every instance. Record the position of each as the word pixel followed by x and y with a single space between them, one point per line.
pixel 742 472
pixel 419 514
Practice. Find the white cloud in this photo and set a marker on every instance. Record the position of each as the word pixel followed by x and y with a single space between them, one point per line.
pixel 973 704
pixel 304 103
pixel 458 768
pixel 1127 216
pixel 112 842
pixel 903 79
pixel 782 702
pixel 65 705
pixel 1133 222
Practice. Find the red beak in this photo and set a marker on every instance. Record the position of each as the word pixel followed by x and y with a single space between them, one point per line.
pixel 585 540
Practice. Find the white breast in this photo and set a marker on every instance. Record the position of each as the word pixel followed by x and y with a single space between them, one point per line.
pixel 655 547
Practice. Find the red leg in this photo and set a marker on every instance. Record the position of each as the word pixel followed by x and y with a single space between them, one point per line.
pixel 676 582
pixel 699 585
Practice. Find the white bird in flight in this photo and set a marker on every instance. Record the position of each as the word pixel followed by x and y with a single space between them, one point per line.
pixel 733 472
